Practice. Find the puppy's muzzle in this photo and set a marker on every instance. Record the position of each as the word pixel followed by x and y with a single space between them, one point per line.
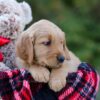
pixel 61 58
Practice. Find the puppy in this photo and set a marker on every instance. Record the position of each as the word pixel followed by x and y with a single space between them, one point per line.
pixel 42 47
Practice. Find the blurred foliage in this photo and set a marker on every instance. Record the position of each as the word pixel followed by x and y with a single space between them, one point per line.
pixel 79 19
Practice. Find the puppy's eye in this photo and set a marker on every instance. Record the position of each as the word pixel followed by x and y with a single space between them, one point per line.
pixel 47 43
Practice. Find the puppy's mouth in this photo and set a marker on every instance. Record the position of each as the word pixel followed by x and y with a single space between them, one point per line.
pixel 49 64
pixel 53 66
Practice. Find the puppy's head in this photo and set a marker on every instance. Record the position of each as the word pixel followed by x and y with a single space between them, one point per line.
pixel 43 43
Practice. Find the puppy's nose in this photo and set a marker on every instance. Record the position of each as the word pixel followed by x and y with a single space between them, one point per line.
pixel 60 58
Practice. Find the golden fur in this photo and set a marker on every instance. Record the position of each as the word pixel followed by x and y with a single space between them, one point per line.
pixel 37 49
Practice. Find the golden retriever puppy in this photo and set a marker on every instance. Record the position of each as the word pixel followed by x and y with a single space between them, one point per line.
pixel 42 50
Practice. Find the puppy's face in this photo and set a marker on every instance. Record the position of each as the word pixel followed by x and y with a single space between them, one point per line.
pixel 49 49
pixel 47 44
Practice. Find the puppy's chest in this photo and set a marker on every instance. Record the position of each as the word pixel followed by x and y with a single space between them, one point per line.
pixel 8 51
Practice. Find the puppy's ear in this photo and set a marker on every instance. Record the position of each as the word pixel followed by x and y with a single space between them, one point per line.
pixel 24 47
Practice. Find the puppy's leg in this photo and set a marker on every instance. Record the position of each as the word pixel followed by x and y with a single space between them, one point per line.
pixel 58 76
pixel 40 74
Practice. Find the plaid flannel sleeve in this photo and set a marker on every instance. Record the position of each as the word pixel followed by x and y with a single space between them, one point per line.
pixel 14 85
pixel 81 85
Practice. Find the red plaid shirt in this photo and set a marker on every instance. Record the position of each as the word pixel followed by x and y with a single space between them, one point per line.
pixel 19 85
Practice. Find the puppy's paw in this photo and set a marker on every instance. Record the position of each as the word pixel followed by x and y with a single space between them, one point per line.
pixel 57 82
pixel 40 74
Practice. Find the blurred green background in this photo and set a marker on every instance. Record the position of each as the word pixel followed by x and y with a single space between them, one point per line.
pixel 79 19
